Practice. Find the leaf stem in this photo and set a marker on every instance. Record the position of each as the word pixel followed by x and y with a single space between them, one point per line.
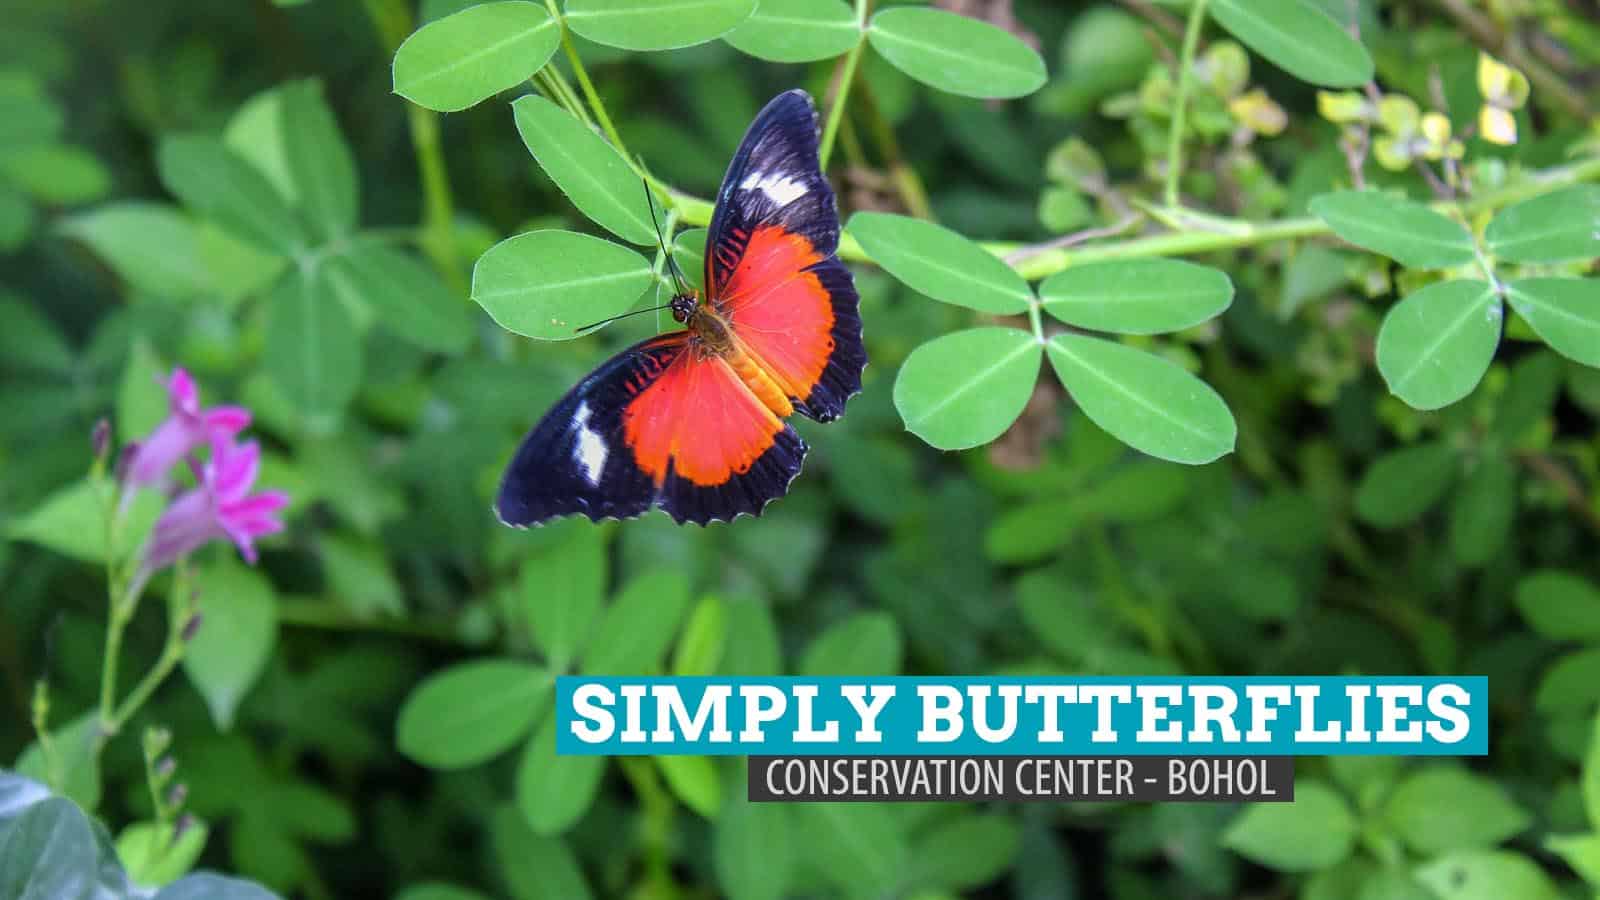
pixel 178 613
pixel 582 74
pixel 847 74
pixel 1191 40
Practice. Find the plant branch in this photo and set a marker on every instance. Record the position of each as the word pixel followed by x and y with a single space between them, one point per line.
pixel 1497 41
pixel 841 90
pixel 1557 476
pixel 1191 40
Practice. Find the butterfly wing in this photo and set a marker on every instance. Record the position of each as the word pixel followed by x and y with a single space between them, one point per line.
pixel 770 264
pixel 658 425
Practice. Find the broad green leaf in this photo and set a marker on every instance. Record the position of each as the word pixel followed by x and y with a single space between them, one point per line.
pixel 1483 511
pixel 753 849
pixel 1149 296
pixel 561 594
pixel 58 174
pixel 1560 605
pixel 153 857
pixel 1407 232
pixel 1299 38
pixel 966 852
pixel 360 576
pixel 554 791
pixel 463 59
pixel 28 116
pixel 1590 782
pixel 656 24
pixel 549 284
pixel 211 886
pixel 255 133
pixel 633 633
pixel 940 263
pixel 1530 395
pixel 16 217
pixel 319 160
pixel 215 182
pixel 689 251
pixel 1314 832
pixel 1571 684
pixel 1035 529
pixel 752 647
pixel 76 758
pixel 705 634
pixel 438 890
pixel 695 781
pixel 857 847
pixel 1061 617
pixel 404 295
pixel 1401 485
pixel 1563 311
pixel 1482 815
pixel 794 31
pixel 313 351
pixel 153 247
pixel 863 644
pixel 1435 345
pixel 956 54
pixel 48 853
pixel 1559 226
pixel 72 521
pixel 591 172
pixel 535 867
pixel 1580 851
pixel 966 388
pixel 1486 875
pixel 1144 401
pixel 142 401
pixel 238 629
pixel 31 340
pixel 471 712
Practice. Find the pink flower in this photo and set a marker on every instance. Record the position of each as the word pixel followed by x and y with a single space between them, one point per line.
pixel 220 507
pixel 186 427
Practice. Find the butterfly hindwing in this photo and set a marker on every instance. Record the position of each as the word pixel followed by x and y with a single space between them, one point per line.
pixel 770 266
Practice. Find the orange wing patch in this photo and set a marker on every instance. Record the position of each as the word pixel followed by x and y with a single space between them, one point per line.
pixel 700 421
pixel 781 313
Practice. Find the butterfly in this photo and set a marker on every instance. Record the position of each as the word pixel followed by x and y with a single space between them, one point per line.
pixel 692 421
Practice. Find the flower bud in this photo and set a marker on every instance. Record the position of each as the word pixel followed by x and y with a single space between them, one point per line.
pixel 192 627
pixel 100 437
pixel 166 767
pixel 178 794
pixel 156 742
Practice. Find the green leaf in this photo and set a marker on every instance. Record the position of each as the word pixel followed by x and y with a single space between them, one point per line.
pixel 360 577
pixel 561 593
pixel 57 174
pixel 463 59
pixel 1143 400
pixel 255 134
pixel 1299 38
pixel 438 890
pixel 1150 296
pixel 1571 684
pixel 753 645
pixel 857 847
pixel 142 395
pixel 863 644
pixel 704 636
pixel 695 781
pixel 238 629
pixel 1481 814
pixel 1590 782
pixel 1435 345
pixel 319 160
pixel 591 172
pixel 151 855
pixel 1580 851
pixel 313 351
pixel 77 759
pixel 795 31
pixel 966 852
pixel 16 218
pixel 471 712
pixel 404 295
pixel 956 54
pixel 1401 485
pixel 1556 227
pixel 1563 311
pixel 634 632
pixel 940 263
pixel 966 388
pixel 1530 395
pixel 215 182
pixel 1483 511
pixel 656 24
pixel 753 850
pixel 1486 875
pixel 153 247
pixel 535 867
pixel 72 521
pixel 31 340
pixel 1560 605
pixel 548 284
pixel 1315 831
pixel 1407 232
pixel 48 853
pixel 553 791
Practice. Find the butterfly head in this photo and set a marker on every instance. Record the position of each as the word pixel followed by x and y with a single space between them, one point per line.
pixel 683 306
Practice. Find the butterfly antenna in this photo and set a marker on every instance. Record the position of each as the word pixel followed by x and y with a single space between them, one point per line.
pixel 622 316
pixel 672 264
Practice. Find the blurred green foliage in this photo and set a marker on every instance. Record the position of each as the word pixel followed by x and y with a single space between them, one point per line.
pixel 237 188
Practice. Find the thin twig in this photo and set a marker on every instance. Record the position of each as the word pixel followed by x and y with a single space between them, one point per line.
pixel 1556 475
pixel 1075 238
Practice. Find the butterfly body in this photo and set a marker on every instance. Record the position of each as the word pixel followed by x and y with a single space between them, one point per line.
pixel 692 421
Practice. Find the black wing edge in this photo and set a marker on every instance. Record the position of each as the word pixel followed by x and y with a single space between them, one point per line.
pixel 841 377
pixel 748 494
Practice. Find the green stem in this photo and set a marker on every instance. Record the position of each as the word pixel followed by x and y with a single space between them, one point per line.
pixel 582 74
pixel 178 613
pixel 847 75
pixel 319 614
pixel 656 830
pixel 1191 40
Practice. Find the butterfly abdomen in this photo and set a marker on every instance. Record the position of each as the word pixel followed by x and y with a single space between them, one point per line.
pixel 760 383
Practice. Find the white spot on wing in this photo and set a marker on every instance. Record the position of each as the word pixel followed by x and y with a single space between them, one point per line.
pixel 591 451
pixel 779 188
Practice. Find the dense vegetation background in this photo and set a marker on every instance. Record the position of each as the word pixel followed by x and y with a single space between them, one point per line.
pixel 365 711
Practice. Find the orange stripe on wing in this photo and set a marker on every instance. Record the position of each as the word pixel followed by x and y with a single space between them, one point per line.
pixel 781 313
pixel 699 421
